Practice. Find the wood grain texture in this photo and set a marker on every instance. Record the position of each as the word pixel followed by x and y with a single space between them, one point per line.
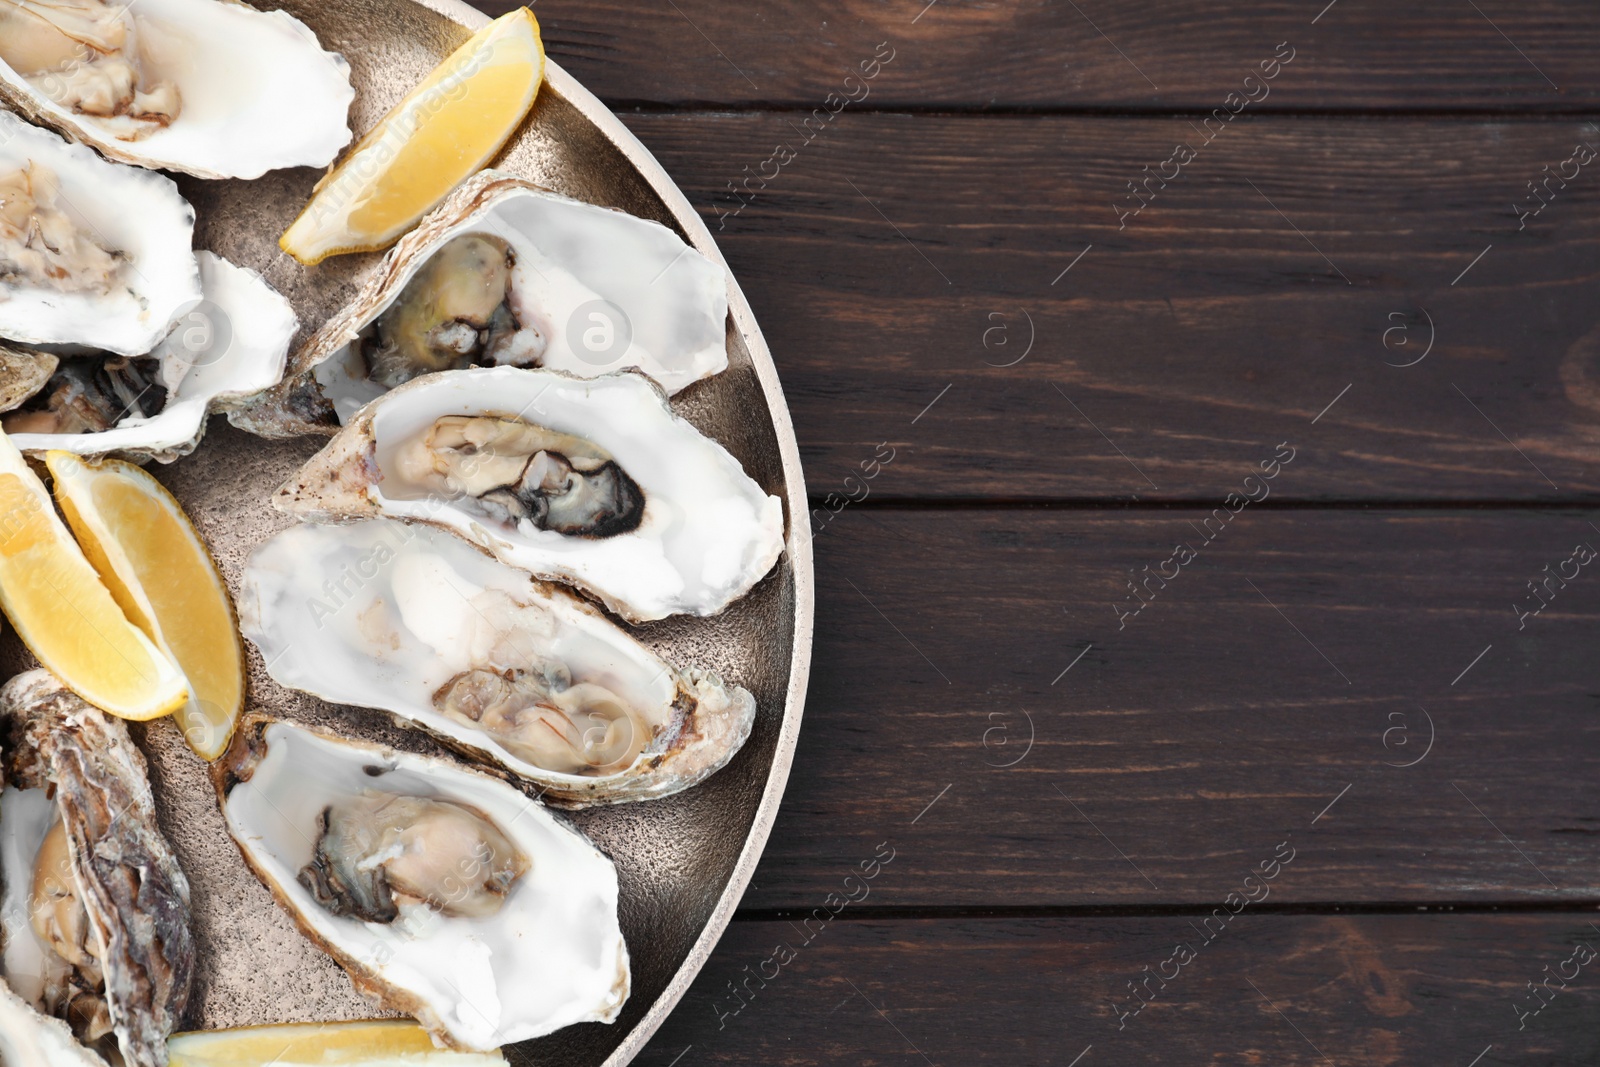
pixel 1300 654
pixel 900 265
pixel 1067 795
pixel 1379 991
pixel 1166 54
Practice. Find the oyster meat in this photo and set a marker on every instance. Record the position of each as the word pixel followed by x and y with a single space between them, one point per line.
pixel 94 909
pixel 507 274
pixel 91 253
pixel 377 852
pixel 225 349
pixel 418 623
pixel 45 245
pixel 594 483
pixel 208 87
pixel 446 894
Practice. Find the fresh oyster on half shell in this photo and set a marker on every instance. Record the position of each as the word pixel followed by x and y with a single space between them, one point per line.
pixel 223 350
pixel 444 893
pixel 590 482
pixel 92 253
pixel 505 273
pixel 510 670
pixel 94 908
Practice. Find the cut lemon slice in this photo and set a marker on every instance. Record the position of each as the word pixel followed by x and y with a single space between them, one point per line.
pixel 386 1043
pixel 448 129
pixel 159 571
pixel 65 614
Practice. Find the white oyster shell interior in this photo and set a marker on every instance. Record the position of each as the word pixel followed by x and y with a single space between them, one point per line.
pixel 257 92
pixel 603 290
pixel 232 344
pixel 134 212
pixel 553 955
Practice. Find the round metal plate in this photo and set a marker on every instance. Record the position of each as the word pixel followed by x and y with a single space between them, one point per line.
pixel 684 862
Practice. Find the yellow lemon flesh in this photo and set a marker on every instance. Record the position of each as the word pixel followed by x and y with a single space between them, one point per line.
pixel 448 129
pixel 386 1043
pixel 63 611
pixel 160 573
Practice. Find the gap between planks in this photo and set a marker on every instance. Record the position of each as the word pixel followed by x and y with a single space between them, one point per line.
pixel 911 913
pixel 1201 503
pixel 1555 112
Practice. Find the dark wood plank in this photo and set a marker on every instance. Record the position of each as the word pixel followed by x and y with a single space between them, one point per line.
pixel 1167 54
pixel 1270 692
pixel 903 256
pixel 1268 989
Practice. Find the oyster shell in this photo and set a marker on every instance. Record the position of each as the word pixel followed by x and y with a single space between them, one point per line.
pixel 506 273
pixel 346 836
pixel 228 347
pixel 95 909
pixel 91 253
pixel 594 483
pixel 510 670
pixel 30 1039
pixel 207 87
pixel 23 372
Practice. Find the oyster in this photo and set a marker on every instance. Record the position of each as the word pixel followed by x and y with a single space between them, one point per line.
pixel 208 87
pixel 507 274
pixel 508 669
pixel 91 253
pixel 95 910
pixel 446 894
pixel 594 483
pixel 228 347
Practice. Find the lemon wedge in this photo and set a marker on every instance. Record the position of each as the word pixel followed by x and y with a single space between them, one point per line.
pixel 65 614
pixel 160 573
pixel 448 129
pixel 385 1043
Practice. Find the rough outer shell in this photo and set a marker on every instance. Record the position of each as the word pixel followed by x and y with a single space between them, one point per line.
pixel 130 210
pixel 674 297
pixel 708 535
pixel 259 94
pixel 31 1039
pixel 23 372
pixel 136 895
pixel 571 968
pixel 225 349
pixel 319 641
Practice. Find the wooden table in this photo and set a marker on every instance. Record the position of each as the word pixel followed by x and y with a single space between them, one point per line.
pixel 1202 391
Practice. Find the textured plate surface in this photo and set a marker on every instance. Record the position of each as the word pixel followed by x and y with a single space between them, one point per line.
pixel 683 861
